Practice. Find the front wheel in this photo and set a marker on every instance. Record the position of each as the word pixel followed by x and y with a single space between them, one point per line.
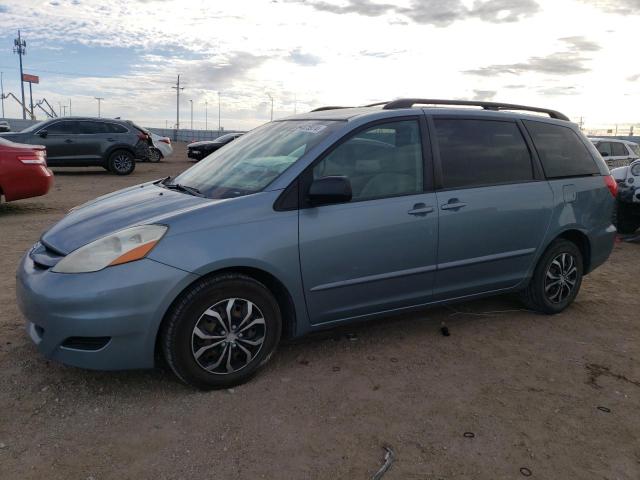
pixel 121 162
pixel 556 279
pixel 221 331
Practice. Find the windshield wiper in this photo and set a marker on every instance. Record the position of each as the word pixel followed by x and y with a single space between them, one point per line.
pixel 184 188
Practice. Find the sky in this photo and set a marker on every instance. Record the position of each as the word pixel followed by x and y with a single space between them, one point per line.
pixel 575 56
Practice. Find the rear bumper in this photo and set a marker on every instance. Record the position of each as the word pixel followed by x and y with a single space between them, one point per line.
pixel 119 309
pixel 601 246
pixel 31 181
pixel 197 155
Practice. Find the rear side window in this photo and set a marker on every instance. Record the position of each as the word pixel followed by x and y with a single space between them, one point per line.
pixel 561 152
pixel 88 127
pixel 619 150
pixel 481 152
pixel 115 128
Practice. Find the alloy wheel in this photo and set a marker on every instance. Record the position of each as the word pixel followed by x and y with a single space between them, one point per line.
pixel 561 278
pixel 228 336
pixel 122 162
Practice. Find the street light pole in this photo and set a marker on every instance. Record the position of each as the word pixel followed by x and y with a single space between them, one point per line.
pixel 2 92
pixel 99 99
pixel 271 98
pixel 178 88
pixel 218 113
pixel 191 101
pixel 20 47
pixel 205 115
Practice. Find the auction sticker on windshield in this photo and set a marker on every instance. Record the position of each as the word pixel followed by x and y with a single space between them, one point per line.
pixel 310 128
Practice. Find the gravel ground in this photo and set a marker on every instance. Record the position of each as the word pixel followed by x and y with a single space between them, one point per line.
pixel 553 397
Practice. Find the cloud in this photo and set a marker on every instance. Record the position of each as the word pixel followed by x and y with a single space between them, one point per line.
pixel 298 57
pixel 4 9
pixel 623 7
pixel 434 12
pixel 557 91
pixel 483 95
pixel 634 78
pixel 571 61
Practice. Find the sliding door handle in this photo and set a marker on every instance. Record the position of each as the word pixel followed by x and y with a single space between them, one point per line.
pixel 453 205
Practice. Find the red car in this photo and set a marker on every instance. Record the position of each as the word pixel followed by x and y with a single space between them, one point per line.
pixel 23 171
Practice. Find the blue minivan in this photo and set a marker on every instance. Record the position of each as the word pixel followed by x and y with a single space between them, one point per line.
pixel 332 216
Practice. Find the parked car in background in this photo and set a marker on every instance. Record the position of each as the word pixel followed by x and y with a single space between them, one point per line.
pixel 161 147
pixel 318 220
pixel 4 126
pixel 627 217
pixel 616 152
pixel 85 141
pixel 143 148
pixel 199 150
pixel 23 171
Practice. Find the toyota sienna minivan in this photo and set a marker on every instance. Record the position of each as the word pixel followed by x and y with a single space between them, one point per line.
pixel 333 216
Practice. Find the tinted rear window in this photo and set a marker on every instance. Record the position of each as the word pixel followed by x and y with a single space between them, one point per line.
pixel 561 151
pixel 89 127
pixel 482 152
pixel 64 127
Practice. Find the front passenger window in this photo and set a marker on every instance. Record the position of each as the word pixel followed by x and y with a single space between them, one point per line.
pixel 382 161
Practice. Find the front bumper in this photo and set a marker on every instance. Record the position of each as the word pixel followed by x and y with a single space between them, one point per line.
pixel 123 305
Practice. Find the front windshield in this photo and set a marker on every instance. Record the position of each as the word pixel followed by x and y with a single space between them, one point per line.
pixel 635 147
pixel 254 160
pixel 33 127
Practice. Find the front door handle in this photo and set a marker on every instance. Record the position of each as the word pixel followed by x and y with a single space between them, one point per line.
pixel 453 204
pixel 420 209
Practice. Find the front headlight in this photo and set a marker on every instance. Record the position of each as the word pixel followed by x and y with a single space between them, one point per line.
pixel 635 170
pixel 120 247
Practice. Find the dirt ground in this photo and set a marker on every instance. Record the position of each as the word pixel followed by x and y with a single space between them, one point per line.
pixel 508 394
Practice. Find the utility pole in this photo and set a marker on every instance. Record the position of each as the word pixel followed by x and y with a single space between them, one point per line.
pixel 69 107
pixel 2 92
pixel 191 101
pixel 295 104
pixel 99 99
pixel 60 107
pixel 205 114
pixel 178 88
pixel 218 112
pixel 271 98
pixel 20 47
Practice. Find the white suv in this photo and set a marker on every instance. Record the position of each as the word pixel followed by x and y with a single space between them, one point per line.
pixel 616 152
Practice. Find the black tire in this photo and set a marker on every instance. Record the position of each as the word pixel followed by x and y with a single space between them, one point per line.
pixel 625 219
pixel 539 294
pixel 155 155
pixel 181 344
pixel 121 162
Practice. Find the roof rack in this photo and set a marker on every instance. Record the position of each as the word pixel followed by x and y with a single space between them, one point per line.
pixel 495 106
pixel 322 109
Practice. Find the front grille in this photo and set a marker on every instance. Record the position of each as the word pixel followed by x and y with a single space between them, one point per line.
pixel 86 343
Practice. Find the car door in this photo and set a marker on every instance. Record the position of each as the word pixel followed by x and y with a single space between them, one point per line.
pixel 621 155
pixel 377 252
pixel 60 141
pixel 90 141
pixel 494 205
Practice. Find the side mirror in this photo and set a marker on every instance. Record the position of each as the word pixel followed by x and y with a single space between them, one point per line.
pixel 43 133
pixel 328 190
pixel 604 154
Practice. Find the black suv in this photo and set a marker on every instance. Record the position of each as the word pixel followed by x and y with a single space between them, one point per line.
pixel 199 150
pixel 85 141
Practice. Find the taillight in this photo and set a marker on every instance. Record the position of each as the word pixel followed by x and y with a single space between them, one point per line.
pixel 39 157
pixel 166 140
pixel 612 185
pixel 143 136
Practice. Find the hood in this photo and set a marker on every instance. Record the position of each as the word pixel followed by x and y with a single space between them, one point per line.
pixel 146 203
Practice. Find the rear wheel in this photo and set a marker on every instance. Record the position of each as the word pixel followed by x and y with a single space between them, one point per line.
pixel 154 155
pixel 556 280
pixel 221 331
pixel 121 162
